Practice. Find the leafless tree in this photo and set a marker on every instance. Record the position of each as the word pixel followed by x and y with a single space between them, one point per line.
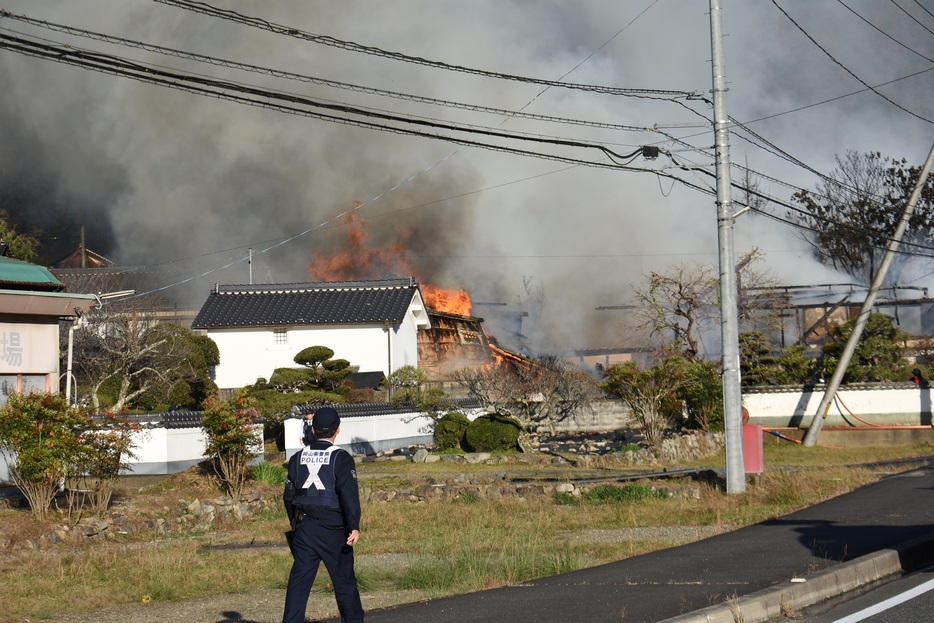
pixel 676 307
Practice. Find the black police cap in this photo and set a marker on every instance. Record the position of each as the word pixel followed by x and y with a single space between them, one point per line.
pixel 326 419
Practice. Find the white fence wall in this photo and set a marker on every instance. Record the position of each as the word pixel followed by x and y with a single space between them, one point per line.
pixel 374 433
pixel 879 404
pixel 166 450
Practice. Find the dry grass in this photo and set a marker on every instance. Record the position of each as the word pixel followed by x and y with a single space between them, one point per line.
pixel 446 546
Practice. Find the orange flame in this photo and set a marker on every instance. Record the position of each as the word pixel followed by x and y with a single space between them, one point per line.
pixel 449 301
pixel 359 261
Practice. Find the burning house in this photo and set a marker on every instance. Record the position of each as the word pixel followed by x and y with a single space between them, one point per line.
pixel 453 338
pixel 458 341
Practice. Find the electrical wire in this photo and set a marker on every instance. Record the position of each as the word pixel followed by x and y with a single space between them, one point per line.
pixel 883 33
pixel 922 7
pixel 842 66
pixel 913 18
pixel 263 98
pixel 287 75
pixel 256 22
pixel 840 97
pixel 793 208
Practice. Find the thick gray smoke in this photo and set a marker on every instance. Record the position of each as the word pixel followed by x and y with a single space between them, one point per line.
pixel 158 176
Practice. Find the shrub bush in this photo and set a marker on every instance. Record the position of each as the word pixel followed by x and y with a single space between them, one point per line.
pixel 491 433
pixel 450 430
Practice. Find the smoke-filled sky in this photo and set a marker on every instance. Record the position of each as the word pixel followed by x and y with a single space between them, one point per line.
pixel 160 176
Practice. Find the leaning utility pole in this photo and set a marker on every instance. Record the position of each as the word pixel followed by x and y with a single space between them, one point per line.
pixel 817 422
pixel 729 329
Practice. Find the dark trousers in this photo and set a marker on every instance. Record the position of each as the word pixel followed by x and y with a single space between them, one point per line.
pixel 312 544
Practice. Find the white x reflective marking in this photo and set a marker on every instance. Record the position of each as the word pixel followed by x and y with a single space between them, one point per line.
pixel 314 459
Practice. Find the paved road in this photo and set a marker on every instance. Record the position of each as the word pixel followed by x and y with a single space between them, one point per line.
pixel 907 600
pixel 664 584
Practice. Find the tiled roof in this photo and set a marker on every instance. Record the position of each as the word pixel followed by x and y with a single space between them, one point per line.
pixel 18 275
pixel 373 408
pixel 346 302
pixel 366 379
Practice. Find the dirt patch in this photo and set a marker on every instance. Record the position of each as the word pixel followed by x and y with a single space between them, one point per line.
pixel 260 607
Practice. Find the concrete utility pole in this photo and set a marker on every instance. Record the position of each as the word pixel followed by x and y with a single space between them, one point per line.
pixel 729 324
pixel 817 422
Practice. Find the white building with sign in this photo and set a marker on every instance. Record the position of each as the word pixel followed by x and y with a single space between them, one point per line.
pixel 31 303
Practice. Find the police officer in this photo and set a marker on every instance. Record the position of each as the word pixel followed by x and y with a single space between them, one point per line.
pixel 323 504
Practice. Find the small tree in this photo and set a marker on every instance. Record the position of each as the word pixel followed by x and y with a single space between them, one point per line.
pixel 674 310
pixel 335 371
pixel 312 357
pixel 39 437
pixel 232 440
pixel 758 363
pixel 107 445
pixel 651 393
pixel 702 393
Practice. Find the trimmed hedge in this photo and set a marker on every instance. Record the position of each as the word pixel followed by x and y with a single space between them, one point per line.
pixel 490 433
pixel 450 430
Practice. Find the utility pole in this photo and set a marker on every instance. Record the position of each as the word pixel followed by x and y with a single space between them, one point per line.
pixel 729 324
pixel 250 262
pixel 817 422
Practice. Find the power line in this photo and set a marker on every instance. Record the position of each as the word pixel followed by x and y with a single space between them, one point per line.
pixel 221 89
pixel 277 73
pixel 882 32
pixel 840 97
pixel 913 18
pixel 792 208
pixel 256 22
pixel 842 66
pixel 922 8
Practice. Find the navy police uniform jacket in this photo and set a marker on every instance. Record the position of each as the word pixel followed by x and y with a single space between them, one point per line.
pixel 322 483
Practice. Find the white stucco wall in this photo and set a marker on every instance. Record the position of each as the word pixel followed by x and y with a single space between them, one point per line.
pixel 248 354
pixel 367 434
pixel 881 405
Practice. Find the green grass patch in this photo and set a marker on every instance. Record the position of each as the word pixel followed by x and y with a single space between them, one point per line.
pixel 269 473
pixel 607 494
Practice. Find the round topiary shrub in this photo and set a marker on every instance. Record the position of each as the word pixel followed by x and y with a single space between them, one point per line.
pixel 450 430
pixel 489 433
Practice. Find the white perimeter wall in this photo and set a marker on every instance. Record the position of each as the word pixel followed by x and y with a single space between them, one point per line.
pixel 248 354
pixel 166 450
pixel 889 406
pixel 361 435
